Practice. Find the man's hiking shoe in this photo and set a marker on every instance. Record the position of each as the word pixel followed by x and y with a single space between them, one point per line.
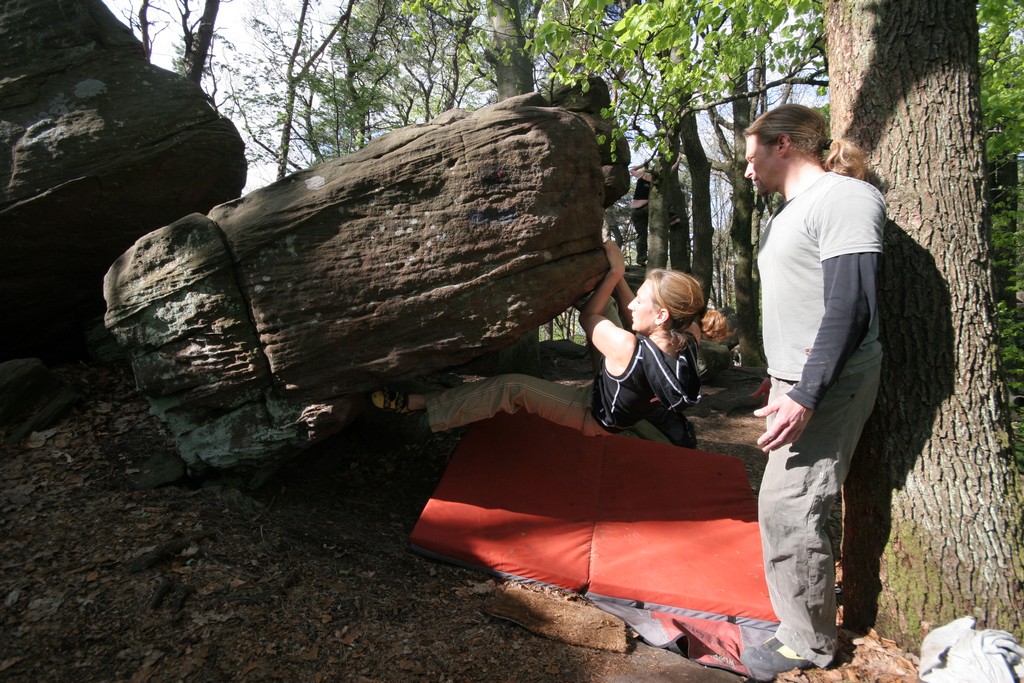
pixel 393 401
pixel 770 658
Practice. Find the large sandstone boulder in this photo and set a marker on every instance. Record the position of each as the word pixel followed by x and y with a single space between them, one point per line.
pixel 592 102
pixel 254 330
pixel 97 148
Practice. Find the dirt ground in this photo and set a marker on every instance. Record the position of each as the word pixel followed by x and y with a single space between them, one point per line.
pixel 309 578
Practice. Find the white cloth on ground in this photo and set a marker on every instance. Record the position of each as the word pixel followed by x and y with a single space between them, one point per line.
pixel 956 653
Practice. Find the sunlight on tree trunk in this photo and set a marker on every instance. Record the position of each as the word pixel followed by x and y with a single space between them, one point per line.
pixel 702 260
pixel 679 231
pixel 657 221
pixel 508 54
pixel 741 233
pixel 933 527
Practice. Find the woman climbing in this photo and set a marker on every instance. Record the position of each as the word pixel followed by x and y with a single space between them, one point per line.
pixel 649 373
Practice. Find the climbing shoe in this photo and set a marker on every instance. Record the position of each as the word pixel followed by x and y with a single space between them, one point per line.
pixel 770 658
pixel 393 401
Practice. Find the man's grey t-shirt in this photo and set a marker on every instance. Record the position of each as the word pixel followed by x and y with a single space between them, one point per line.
pixel 837 215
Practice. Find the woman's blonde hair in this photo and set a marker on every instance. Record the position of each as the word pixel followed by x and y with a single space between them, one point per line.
pixel 808 131
pixel 681 295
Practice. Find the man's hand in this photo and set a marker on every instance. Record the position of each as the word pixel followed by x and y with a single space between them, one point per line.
pixel 790 420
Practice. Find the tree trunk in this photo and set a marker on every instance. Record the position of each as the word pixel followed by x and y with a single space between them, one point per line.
pixel 657 215
pixel 199 46
pixel 679 232
pixel 1004 178
pixel 144 29
pixel 703 259
pixel 741 232
pixel 933 527
pixel 507 54
pixel 294 75
pixel 291 83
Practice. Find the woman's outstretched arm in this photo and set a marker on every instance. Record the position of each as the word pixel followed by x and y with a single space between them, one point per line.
pixel 613 342
pixel 624 297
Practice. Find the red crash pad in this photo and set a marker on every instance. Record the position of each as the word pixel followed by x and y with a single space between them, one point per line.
pixel 664 537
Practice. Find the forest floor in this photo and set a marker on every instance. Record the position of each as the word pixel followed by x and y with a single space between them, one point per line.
pixel 310 578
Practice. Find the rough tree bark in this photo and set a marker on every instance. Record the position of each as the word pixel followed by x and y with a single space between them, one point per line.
pixel 933 526
pixel 679 232
pixel 741 234
pixel 659 239
pixel 702 258
pixel 1004 178
pixel 507 54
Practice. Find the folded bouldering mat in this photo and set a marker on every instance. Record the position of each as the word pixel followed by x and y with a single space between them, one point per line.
pixel 666 538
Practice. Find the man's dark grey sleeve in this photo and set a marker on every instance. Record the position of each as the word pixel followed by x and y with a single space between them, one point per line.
pixel 850 307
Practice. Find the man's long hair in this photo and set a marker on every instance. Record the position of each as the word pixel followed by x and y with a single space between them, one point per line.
pixel 808 131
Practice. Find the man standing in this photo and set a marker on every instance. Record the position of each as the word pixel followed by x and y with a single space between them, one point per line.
pixel 638 210
pixel 818 261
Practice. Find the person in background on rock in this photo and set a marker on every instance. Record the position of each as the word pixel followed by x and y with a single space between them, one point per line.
pixel 647 374
pixel 818 260
pixel 638 210
pixel 639 214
